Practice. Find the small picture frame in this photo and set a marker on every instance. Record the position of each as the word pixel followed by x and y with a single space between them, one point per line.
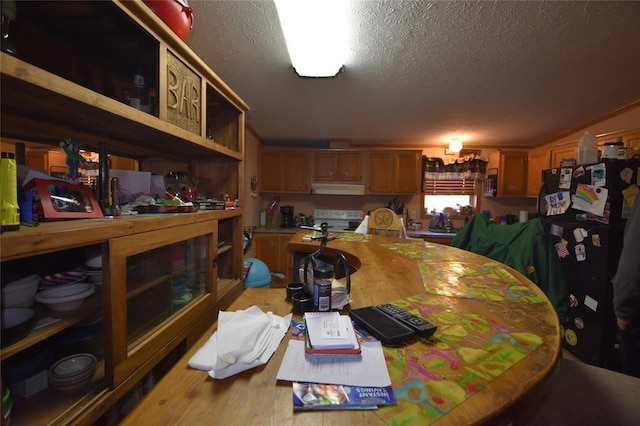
pixel 66 200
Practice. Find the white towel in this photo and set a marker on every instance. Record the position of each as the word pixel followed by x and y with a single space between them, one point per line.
pixel 243 340
pixel 363 228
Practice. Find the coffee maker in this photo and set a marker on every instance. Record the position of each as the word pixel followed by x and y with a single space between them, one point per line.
pixel 287 217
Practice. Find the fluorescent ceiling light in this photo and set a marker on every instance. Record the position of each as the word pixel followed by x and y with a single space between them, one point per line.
pixel 316 35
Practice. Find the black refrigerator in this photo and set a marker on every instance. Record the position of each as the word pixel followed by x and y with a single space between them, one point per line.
pixel 584 209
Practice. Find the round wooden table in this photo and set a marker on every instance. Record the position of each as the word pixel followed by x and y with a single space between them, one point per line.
pixel 499 333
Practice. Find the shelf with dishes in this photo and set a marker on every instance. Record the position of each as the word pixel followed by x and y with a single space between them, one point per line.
pixel 53 323
pixel 58 403
pixel 44 91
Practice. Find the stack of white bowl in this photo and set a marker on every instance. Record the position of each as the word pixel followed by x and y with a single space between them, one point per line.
pixel 65 297
pixel 73 372
pixel 20 293
pixel 18 297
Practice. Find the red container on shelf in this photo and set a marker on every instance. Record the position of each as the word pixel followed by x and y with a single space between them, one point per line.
pixel 175 13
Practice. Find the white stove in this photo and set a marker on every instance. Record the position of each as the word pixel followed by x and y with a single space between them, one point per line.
pixel 338 220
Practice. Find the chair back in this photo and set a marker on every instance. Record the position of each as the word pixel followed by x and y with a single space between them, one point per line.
pixel 384 221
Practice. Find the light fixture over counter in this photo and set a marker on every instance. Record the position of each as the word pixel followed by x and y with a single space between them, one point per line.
pixel 455 146
pixel 316 35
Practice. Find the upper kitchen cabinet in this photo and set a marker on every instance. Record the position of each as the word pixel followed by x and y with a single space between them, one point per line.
pixel 563 153
pixel 537 162
pixel 337 167
pixel 283 171
pixel 394 172
pixel 512 172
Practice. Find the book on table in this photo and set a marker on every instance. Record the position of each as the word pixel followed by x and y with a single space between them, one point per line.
pixel 320 396
pixel 330 331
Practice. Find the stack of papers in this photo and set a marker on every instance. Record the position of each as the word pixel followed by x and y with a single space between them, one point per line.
pixel 330 330
pixel 337 380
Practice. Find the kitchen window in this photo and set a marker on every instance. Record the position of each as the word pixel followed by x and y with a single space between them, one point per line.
pixel 451 185
pixel 439 202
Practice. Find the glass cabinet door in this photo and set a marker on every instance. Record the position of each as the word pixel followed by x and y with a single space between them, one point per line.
pixel 166 280
pixel 163 281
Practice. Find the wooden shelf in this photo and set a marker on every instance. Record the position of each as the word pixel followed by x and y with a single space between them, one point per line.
pixel 51 403
pixel 55 236
pixel 224 249
pixel 125 130
pixel 91 308
pixel 73 86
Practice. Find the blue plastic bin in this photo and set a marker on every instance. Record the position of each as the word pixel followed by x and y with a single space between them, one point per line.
pixel 259 274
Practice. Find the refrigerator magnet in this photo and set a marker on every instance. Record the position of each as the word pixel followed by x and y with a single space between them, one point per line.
pixel 565 179
pixel 580 234
pixel 556 230
pixel 573 301
pixel 595 240
pixel 571 337
pixel 591 303
pixel 581 253
pixel 598 174
pixel 626 175
pixel 562 251
pixel 578 172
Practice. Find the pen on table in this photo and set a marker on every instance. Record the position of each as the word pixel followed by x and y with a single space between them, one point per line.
pixel 30 223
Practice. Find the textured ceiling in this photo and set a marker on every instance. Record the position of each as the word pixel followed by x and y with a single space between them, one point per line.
pixel 499 73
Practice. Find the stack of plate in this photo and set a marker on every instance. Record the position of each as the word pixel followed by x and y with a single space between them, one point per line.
pixel 94 274
pixel 73 372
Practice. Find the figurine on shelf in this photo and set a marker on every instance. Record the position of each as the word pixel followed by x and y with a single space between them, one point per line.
pixel 71 147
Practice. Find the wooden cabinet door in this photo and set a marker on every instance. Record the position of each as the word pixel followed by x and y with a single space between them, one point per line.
pixel 512 178
pixel 325 167
pixel 268 250
pixel 272 250
pixel 394 173
pixel 538 161
pixel 559 154
pixel 334 167
pixel 381 172
pixel 296 172
pixel 271 172
pixel 407 173
pixel 349 167
pixel 284 251
pixel 283 171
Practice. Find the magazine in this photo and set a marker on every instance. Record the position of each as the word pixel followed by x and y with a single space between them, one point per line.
pixel 319 396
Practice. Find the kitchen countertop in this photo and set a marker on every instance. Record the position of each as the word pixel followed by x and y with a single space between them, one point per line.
pixel 275 230
pixel 498 340
pixel 414 234
pixel 431 234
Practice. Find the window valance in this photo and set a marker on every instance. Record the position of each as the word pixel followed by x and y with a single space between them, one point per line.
pixel 469 168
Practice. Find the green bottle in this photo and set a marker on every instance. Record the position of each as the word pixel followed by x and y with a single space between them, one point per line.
pixel 9 208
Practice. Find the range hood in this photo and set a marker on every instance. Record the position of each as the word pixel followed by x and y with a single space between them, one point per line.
pixel 337 189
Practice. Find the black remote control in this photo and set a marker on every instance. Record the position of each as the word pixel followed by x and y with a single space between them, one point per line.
pixel 419 325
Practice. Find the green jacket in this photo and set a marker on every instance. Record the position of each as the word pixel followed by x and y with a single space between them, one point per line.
pixel 522 246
